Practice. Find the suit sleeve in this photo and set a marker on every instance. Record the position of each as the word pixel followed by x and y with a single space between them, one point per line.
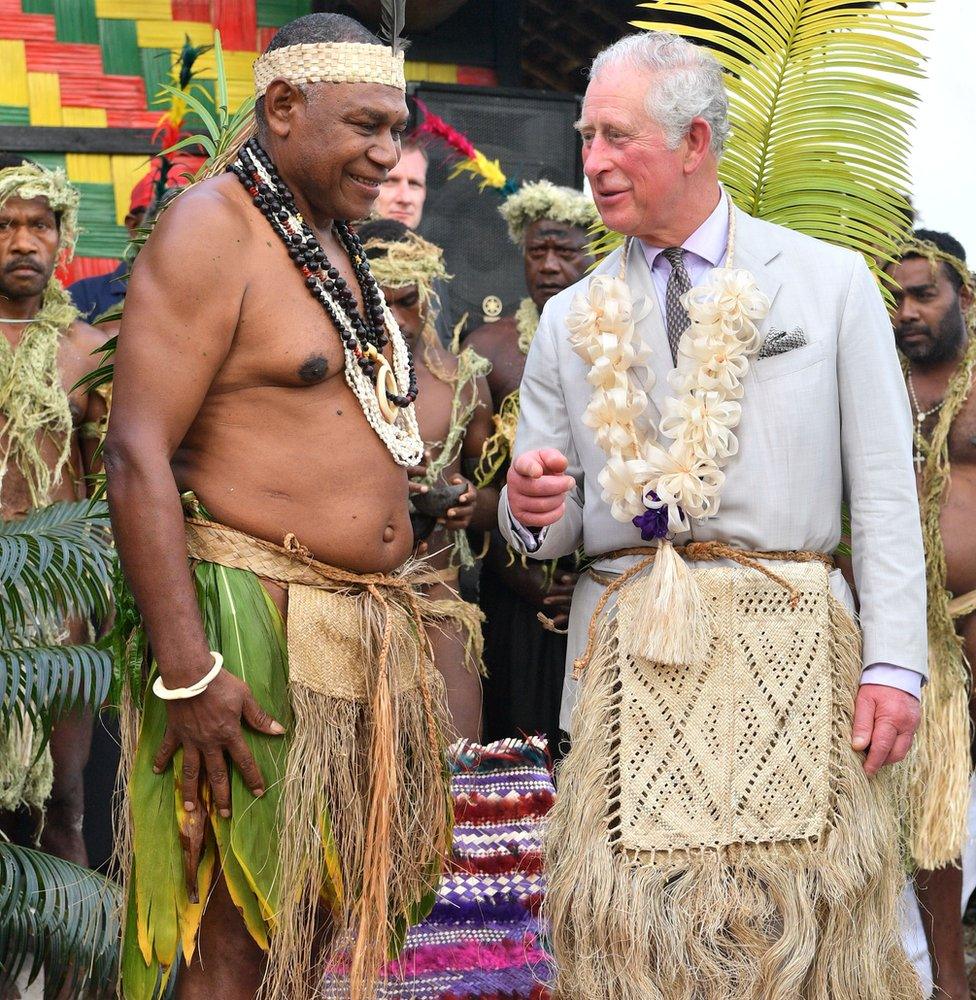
pixel 879 481
pixel 544 423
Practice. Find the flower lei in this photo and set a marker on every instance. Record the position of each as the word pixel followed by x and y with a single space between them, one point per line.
pixel 655 485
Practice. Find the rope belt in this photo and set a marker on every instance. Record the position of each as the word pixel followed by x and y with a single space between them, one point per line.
pixel 710 551
pixel 292 562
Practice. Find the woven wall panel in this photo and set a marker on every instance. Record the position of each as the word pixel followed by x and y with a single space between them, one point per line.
pixel 100 235
pixel 119 93
pixel 50 160
pixel 11 114
pixel 191 10
pixel 126 173
pixel 132 119
pixel 275 13
pixel 84 117
pixel 13 78
pixel 159 10
pixel 44 97
pixel 75 20
pixel 27 27
pixel 156 65
pixel 120 48
pixel 89 168
pixel 238 24
pixel 64 58
pixel 32 27
pixel 172 34
pixel 102 62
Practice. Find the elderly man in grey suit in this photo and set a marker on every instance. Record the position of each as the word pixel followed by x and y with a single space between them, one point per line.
pixel 807 412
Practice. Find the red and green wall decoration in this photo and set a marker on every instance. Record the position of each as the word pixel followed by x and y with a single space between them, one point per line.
pixel 69 66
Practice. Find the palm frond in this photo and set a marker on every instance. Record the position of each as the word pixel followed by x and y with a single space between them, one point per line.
pixel 41 682
pixel 59 917
pixel 55 563
pixel 821 102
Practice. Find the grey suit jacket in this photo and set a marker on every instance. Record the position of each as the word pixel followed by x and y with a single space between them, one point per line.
pixel 822 423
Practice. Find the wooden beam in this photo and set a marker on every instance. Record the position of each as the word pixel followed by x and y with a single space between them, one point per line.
pixel 57 139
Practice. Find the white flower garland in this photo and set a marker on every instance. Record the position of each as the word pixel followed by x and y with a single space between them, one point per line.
pixel 714 353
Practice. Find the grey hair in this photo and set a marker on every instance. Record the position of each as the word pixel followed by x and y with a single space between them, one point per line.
pixel 688 83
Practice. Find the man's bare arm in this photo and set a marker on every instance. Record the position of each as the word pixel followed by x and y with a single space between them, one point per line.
pixel 181 313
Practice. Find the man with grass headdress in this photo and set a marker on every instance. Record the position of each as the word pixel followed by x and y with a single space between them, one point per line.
pixel 287 799
pixel 695 411
pixel 934 321
pixel 524 660
pixel 48 435
pixel 454 414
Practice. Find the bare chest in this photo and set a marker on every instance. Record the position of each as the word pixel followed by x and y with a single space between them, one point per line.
pixel 285 336
pixel 962 434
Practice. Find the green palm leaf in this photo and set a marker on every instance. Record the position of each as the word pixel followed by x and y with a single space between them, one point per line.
pixel 820 104
pixel 54 563
pixel 42 682
pixel 60 917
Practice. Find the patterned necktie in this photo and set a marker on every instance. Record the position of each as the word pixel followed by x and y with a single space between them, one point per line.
pixel 678 284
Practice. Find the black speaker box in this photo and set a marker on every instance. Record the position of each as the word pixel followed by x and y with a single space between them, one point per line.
pixel 530 133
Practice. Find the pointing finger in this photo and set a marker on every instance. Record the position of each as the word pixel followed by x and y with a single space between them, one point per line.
pixel 547 486
pixel 553 460
pixel 528 465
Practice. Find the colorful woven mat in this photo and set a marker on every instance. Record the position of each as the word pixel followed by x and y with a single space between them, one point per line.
pixel 482 940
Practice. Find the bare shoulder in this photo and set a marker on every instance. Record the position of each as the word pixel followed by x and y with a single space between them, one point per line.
pixel 488 338
pixel 205 220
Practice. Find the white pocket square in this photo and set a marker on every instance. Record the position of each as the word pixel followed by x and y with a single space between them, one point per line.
pixel 781 341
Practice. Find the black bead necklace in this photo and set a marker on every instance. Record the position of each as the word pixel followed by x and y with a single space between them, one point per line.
pixel 364 336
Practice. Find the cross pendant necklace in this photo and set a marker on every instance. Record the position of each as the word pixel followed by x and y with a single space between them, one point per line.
pixel 919 444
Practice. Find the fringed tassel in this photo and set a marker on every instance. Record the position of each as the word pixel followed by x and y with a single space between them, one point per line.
pixel 364 825
pixel 939 767
pixel 673 621
pixel 370 948
pixel 787 921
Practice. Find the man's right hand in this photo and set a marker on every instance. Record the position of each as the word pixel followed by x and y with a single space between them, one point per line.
pixel 537 487
pixel 208 727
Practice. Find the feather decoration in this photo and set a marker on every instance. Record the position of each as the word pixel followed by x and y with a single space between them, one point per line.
pixel 392 15
pixel 488 172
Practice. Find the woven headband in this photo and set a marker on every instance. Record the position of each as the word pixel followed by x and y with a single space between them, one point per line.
pixel 30 180
pixel 330 62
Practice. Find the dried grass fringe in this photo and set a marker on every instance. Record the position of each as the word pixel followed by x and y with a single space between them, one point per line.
pixel 939 766
pixel 372 767
pixel 788 921
pixel 121 862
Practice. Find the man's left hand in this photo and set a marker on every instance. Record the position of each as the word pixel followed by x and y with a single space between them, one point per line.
pixel 458 518
pixel 885 720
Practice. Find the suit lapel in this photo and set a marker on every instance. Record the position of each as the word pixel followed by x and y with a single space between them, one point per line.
pixel 754 252
pixel 651 328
